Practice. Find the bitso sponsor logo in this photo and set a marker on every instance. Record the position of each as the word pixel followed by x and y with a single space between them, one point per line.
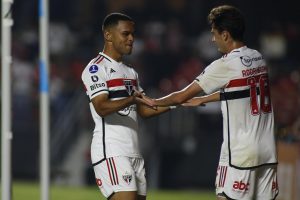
pixel 97 85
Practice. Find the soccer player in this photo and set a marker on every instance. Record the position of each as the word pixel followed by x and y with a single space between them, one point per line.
pixel 248 160
pixel 113 90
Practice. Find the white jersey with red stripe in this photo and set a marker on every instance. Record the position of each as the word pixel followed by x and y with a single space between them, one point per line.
pixel 248 122
pixel 115 134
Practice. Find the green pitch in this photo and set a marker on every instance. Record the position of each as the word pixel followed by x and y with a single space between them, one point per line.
pixel 31 191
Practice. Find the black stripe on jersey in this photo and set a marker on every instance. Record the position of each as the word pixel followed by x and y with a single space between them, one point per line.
pixel 236 94
pixel 227 197
pixel 118 94
pixel 112 172
pixel 228 125
pixel 106 58
pixel 103 144
pixel 98 92
pixel 110 196
pixel 97 58
pixel 100 161
pixel 103 138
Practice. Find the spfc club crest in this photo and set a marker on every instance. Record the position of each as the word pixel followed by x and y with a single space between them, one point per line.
pixel 129 86
pixel 127 178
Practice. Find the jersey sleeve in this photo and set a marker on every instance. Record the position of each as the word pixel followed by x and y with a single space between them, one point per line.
pixel 139 88
pixel 94 79
pixel 214 77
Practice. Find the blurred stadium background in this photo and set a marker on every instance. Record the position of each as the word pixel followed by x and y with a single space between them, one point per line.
pixel 172 46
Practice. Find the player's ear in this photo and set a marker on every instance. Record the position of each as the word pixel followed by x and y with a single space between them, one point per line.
pixel 225 35
pixel 108 35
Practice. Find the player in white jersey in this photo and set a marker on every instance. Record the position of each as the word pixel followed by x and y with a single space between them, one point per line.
pixel 113 90
pixel 248 160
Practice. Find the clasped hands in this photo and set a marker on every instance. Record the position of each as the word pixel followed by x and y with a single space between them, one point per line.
pixel 152 103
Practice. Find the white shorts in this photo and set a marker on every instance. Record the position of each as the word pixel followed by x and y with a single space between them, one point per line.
pixel 118 174
pixel 258 183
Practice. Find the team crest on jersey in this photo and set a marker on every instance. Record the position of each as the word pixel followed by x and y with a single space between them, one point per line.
pixel 129 86
pixel 127 178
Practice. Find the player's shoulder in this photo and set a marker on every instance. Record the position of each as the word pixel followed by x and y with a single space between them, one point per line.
pixel 240 53
pixel 216 63
pixel 97 64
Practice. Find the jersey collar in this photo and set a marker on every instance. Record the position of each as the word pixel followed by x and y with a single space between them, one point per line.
pixel 109 58
pixel 238 49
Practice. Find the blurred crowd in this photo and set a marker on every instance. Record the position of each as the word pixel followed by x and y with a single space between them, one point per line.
pixel 172 46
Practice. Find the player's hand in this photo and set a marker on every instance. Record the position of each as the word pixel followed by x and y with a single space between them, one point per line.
pixel 197 101
pixel 141 98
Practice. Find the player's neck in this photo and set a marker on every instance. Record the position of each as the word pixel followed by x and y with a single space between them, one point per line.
pixel 234 45
pixel 112 53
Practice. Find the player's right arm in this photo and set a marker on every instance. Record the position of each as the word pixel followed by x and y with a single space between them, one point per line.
pixel 104 106
pixel 198 101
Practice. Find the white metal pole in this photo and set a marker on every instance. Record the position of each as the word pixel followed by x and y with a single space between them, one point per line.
pixel 6 133
pixel 44 100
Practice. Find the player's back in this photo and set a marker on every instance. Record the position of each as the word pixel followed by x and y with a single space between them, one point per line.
pixel 247 111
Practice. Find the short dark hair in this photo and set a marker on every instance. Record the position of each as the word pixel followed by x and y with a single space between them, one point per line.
pixel 113 19
pixel 228 18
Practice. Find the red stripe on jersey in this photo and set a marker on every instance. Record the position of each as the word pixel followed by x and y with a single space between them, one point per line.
pixel 112 171
pixel 99 61
pixel 115 170
pixel 108 168
pixel 120 82
pixel 220 175
pixel 97 58
pixel 224 178
pixel 243 81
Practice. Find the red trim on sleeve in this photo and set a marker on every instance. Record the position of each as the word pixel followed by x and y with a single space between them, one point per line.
pixel 99 61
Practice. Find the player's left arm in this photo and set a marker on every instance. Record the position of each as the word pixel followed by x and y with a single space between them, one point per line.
pixel 147 111
pixel 200 101
pixel 179 97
